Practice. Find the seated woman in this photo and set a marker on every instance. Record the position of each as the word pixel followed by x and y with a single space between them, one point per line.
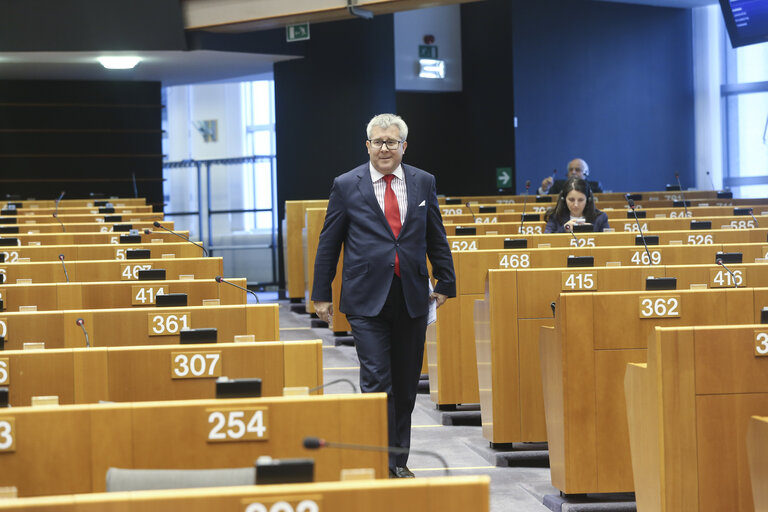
pixel 575 205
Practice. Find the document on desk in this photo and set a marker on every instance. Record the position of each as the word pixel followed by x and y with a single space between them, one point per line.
pixel 432 315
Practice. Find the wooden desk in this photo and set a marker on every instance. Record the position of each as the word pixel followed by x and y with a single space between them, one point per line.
pixel 583 376
pixel 451 345
pixel 293 233
pixel 132 327
pixel 105 251
pixel 115 270
pixel 437 494
pixel 757 451
pixel 623 238
pixel 84 203
pixel 116 294
pixel 104 210
pixel 77 227
pixel 517 303
pixel 74 456
pixel 97 237
pixel 163 372
pixel 74 218
pixel 689 410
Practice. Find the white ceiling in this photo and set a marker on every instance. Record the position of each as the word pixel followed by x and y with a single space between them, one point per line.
pixel 168 67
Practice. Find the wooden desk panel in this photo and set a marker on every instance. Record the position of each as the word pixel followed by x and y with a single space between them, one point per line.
pixel 75 456
pixel 79 271
pixel 757 451
pixel 590 425
pixel 133 374
pixel 67 202
pixel 86 227
pixel 129 327
pixel 295 212
pixel 103 251
pixel 440 494
pixel 75 238
pixel 688 440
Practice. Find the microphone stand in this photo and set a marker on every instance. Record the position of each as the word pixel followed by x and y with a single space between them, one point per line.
pixel 631 204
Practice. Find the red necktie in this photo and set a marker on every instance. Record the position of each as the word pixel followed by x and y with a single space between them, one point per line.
pixel 392 212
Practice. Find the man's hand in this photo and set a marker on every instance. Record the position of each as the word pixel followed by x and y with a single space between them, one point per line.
pixel 546 183
pixel 439 297
pixel 324 311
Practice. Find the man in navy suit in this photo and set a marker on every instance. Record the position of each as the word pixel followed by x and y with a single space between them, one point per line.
pixel 387 216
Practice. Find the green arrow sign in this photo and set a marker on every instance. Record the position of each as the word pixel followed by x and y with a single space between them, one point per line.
pixel 503 177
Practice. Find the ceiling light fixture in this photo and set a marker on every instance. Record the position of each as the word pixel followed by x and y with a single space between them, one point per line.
pixel 115 62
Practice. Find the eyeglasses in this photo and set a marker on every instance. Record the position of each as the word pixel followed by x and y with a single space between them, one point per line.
pixel 391 144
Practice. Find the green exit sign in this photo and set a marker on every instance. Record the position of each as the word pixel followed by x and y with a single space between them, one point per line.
pixel 427 51
pixel 503 177
pixel 297 32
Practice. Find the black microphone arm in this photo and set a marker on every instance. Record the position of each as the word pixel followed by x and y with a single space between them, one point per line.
pixel 525 202
pixel 56 212
pixel 220 280
pixel 158 225
pixel 313 443
pixel 474 219
pixel 720 262
pixel 751 214
pixel 685 205
pixel 318 388
pixel 711 182
pixel 81 323
pixel 61 257
pixel 570 230
pixel 631 204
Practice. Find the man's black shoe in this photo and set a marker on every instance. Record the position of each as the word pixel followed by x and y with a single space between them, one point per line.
pixel 400 472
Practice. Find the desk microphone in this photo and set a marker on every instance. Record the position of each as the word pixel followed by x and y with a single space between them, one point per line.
pixel 56 211
pixel 525 202
pixel 685 205
pixel 220 280
pixel 631 204
pixel 314 443
pixel 474 219
pixel 61 257
pixel 81 323
pixel 757 224
pixel 158 225
pixel 317 388
pixel 570 230
pixel 720 262
pixel 710 180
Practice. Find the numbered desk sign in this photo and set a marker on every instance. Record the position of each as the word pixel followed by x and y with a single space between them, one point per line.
pixel 5 371
pixel 7 435
pixel 145 295
pixel 761 343
pixel 195 365
pixel 4 328
pixel 464 245
pixel 660 306
pixel 309 503
pixel 578 281
pixel 642 257
pixel 167 324
pixel 131 272
pixel 514 260
pixel 239 424
pixel 721 278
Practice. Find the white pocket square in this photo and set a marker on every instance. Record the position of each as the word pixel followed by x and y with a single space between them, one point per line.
pixel 423 203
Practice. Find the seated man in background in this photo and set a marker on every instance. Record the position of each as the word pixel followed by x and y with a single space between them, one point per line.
pixel 577 168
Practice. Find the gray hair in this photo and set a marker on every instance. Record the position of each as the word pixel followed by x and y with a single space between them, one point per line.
pixel 385 121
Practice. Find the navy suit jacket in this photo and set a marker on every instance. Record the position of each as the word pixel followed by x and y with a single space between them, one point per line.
pixel 355 219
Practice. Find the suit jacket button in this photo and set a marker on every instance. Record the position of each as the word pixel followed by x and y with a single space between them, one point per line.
pixel 397 245
pixel 391 264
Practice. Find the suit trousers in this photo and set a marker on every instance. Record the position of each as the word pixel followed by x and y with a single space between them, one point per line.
pixel 390 347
